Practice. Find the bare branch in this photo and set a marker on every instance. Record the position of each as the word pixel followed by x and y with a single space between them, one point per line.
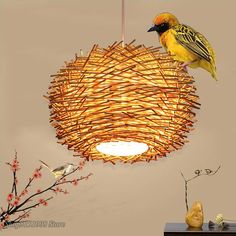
pixel 198 173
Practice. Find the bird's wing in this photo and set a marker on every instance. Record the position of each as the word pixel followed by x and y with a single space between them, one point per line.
pixel 60 171
pixel 194 41
pixel 60 168
pixel 47 166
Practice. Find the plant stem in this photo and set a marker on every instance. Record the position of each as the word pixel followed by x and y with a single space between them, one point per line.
pixel 207 172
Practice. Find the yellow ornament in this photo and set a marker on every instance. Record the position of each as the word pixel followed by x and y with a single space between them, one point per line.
pixel 194 217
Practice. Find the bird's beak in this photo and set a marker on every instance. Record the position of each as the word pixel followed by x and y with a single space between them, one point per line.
pixel 153 28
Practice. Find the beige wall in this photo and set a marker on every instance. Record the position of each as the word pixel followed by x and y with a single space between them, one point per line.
pixel 37 37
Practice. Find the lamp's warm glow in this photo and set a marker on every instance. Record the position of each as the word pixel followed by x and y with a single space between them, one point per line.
pixel 129 94
pixel 122 148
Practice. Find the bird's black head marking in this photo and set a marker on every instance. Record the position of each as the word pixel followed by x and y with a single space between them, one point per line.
pixel 161 28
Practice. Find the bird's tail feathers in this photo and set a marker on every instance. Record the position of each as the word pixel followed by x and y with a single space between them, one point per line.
pixel 213 72
pixel 210 67
pixel 47 166
pixel 213 68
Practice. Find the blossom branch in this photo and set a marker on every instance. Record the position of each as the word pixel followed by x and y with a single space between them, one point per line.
pixel 41 201
pixel 19 218
pixel 16 204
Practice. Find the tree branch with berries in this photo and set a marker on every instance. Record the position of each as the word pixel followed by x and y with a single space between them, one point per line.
pixel 20 203
pixel 197 173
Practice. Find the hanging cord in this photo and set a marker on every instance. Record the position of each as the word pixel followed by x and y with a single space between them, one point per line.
pixel 123 24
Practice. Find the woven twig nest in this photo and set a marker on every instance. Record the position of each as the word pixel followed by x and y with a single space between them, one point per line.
pixel 131 93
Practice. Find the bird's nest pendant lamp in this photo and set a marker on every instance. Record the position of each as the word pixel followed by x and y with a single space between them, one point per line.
pixel 122 103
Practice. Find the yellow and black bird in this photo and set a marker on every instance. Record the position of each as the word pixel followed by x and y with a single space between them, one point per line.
pixel 184 43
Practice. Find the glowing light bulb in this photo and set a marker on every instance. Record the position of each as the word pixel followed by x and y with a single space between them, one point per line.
pixel 121 148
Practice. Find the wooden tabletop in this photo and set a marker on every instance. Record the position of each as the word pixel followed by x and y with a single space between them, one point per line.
pixel 180 229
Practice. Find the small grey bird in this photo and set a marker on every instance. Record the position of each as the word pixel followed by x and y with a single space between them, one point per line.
pixel 197 172
pixel 61 170
pixel 208 171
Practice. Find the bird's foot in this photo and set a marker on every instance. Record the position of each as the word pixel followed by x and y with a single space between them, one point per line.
pixel 184 66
